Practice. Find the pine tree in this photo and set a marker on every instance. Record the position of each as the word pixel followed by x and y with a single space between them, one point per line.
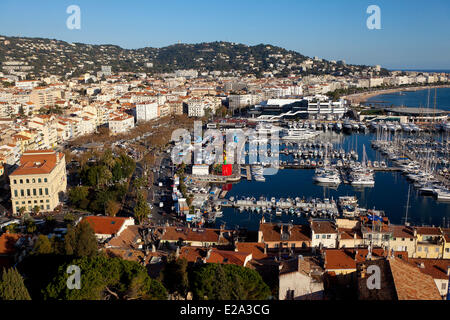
pixel 12 286
pixel 86 240
pixel 43 245
pixel 70 240
pixel 80 241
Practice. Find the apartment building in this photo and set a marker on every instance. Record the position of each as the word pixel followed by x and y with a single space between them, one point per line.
pixel 41 97
pixel 198 107
pixel 40 180
pixel 120 123
pixel 429 242
pixel 27 84
pixel 402 239
pixel 323 234
pixel 146 111
pixel 446 243
pixel 284 236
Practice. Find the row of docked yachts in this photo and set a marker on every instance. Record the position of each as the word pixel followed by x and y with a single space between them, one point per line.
pixel 425 182
pixel 295 206
pixel 394 127
pixel 346 206
pixel 422 172
pixel 338 126
pixel 356 175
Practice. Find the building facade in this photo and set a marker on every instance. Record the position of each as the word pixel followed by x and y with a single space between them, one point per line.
pixel 38 181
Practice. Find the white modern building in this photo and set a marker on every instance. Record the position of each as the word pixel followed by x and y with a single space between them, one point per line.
pixel 146 111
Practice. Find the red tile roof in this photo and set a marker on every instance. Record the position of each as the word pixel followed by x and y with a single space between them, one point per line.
pixel 7 243
pixel 105 225
pixel 437 268
pixel 412 284
pixel 255 248
pixel 272 232
pixel 37 162
pixel 193 254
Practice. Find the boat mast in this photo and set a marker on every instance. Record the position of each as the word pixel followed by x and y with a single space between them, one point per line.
pixel 407 206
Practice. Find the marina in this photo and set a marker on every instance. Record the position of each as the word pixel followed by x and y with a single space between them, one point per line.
pixel 380 163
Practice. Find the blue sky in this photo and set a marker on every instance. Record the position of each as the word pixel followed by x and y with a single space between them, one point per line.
pixel 414 33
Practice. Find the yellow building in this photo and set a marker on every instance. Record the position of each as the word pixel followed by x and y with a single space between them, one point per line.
pixel 40 180
pixel 403 239
pixel 446 243
pixel 429 242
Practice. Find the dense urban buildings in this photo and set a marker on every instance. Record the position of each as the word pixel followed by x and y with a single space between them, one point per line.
pixel 87 166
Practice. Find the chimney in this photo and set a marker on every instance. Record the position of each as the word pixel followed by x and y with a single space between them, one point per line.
pixel 363 271
pixel 448 270
pixel 177 253
pixel 356 255
pixel 208 253
pixel 265 248
pixel 300 261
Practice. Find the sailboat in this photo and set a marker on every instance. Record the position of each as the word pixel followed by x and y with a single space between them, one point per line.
pixel 362 176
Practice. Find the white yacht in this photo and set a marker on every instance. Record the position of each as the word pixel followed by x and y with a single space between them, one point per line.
pixel 443 194
pixel 362 177
pixel 327 175
pixel 295 134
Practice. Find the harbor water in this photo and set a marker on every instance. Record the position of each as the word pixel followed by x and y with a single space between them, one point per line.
pixel 414 99
pixel 389 194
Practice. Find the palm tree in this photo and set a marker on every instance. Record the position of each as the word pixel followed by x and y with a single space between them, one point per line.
pixel 22 211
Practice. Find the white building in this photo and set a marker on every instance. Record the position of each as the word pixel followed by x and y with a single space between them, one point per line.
pixel 323 234
pixel 120 123
pixel 200 169
pixel 300 279
pixel 197 107
pixel 146 111
pixel 27 84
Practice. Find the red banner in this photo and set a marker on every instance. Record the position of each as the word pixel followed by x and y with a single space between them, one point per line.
pixel 227 187
pixel 227 170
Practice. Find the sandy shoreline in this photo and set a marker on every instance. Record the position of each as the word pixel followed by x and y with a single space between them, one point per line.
pixel 362 97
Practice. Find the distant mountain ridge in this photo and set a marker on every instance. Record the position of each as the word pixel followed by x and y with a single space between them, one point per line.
pixel 50 56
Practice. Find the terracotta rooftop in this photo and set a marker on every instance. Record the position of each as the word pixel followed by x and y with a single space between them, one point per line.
pixel 272 232
pixel 255 248
pixel 7 243
pixel 437 268
pixel 128 239
pixel 347 258
pixel 412 284
pixel 323 227
pixel 399 231
pixel 105 225
pixel 37 162
pixel 191 234
pixel 347 233
pixel 193 254
pixel 428 231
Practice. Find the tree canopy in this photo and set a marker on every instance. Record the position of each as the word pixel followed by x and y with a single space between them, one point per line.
pixel 228 282
pixel 104 278
pixel 12 286
pixel 80 241
pixel 174 276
